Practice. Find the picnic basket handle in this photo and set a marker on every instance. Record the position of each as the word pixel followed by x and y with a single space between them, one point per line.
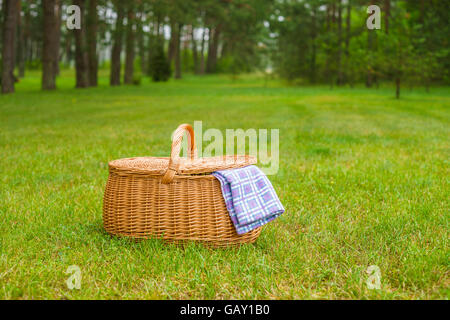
pixel 174 162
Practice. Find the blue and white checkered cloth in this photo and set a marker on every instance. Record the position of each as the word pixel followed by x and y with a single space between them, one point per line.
pixel 249 196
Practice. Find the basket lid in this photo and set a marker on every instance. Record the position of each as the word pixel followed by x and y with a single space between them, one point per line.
pixel 169 167
pixel 159 166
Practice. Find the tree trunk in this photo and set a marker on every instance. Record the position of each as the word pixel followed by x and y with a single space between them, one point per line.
pixel 202 53
pixel 171 50
pixel 387 13
pixel 141 42
pixel 328 17
pixel 213 45
pixel 9 35
pixel 194 50
pixel 26 44
pixel 348 29
pixel 314 46
pixel 185 49
pixel 157 24
pixel 117 46
pixel 422 12
pixel 333 12
pixel 339 53
pixel 129 59
pixel 68 48
pixel 369 79
pixel 348 76
pixel 328 43
pixel 178 51
pixel 397 87
pixel 81 59
pixel 92 22
pixel 57 36
pixel 21 45
pixel 49 45
pixel 211 55
pixel 150 51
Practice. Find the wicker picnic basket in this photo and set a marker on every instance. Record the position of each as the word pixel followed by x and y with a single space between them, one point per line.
pixel 175 199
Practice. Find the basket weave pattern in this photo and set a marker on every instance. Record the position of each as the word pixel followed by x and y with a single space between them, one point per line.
pixel 173 205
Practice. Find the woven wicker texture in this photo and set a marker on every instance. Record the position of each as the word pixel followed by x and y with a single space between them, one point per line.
pixel 158 166
pixel 175 199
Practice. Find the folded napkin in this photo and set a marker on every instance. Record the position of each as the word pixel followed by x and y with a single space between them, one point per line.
pixel 249 196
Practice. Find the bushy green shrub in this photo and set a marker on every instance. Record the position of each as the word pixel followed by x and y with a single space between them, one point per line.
pixel 159 65
pixel 34 65
pixel 137 79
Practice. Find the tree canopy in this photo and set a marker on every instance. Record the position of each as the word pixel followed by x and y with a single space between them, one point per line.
pixel 315 41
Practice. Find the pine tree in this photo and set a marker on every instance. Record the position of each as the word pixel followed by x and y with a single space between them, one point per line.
pixel 159 64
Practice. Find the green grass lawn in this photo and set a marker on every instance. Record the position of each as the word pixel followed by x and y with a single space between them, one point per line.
pixel 364 179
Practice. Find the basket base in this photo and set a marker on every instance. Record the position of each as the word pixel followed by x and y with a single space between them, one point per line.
pixel 224 243
pixel 188 209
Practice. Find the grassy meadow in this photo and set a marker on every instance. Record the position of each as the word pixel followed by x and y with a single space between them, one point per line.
pixel 364 179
